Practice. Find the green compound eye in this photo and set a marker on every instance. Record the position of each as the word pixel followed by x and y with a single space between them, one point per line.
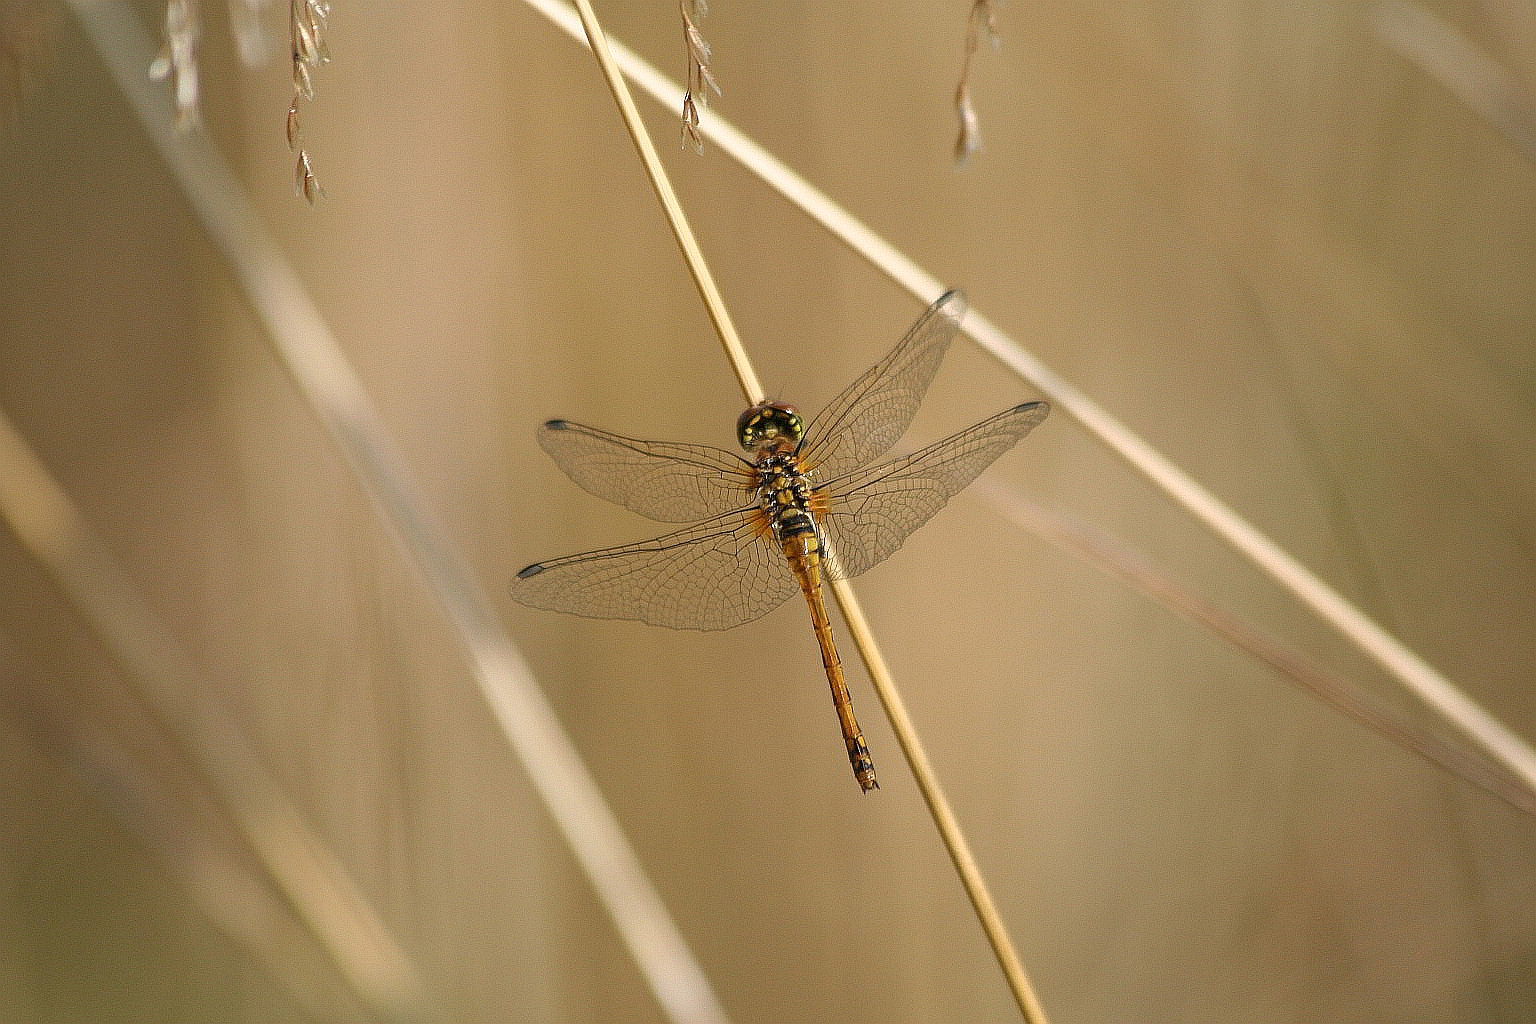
pixel 768 423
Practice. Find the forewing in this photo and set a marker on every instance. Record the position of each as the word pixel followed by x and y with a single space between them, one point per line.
pixel 864 421
pixel 671 483
pixel 712 575
pixel 870 512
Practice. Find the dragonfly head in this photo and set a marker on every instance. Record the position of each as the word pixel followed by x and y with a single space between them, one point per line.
pixel 769 425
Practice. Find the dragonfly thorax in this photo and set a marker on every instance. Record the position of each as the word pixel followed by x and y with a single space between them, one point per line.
pixel 784 494
pixel 770 426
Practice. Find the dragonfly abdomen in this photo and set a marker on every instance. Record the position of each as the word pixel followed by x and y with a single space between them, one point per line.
pixel 785 497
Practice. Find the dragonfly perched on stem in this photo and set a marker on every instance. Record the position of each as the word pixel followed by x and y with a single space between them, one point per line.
pixel 811 504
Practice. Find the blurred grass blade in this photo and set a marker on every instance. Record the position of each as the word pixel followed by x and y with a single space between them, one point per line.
pixel 980 23
pixel 1114 557
pixel 196 840
pixel 1468 73
pixel 300 864
pixel 304 346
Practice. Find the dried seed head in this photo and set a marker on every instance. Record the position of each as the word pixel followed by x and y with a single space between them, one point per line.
pixel 177 60
pixel 982 21
pixel 691 137
pixel 304 181
pixel 302 83
pixel 249 29
pixel 701 80
pixel 968 143
pixel 306 36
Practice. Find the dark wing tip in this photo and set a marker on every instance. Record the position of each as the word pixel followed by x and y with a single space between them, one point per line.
pixel 1030 415
pixel 558 425
pixel 952 302
pixel 532 570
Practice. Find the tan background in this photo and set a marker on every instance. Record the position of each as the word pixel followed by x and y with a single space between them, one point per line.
pixel 1301 267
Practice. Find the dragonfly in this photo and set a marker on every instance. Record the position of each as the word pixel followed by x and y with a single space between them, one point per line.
pixel 811 503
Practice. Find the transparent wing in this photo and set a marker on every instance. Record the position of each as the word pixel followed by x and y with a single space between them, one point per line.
pixel 671 483
pixel 712 575
pixel 870 512
pixel 864 421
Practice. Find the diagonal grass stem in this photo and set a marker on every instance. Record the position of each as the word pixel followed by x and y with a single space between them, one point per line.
pixel 310 354
pixel 1401 662
pixel 943 815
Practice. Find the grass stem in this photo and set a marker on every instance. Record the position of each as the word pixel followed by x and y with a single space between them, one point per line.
pixel 303 345
pixel 1401 662
pixel 751 387
pixel 943 815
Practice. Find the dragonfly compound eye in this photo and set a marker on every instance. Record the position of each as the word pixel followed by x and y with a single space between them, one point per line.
pixel 767 424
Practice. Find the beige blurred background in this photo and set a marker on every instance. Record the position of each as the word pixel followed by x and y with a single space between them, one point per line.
pixel 1296 262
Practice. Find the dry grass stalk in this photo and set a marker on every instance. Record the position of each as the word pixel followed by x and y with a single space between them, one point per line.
pixel 1118 559
pixel 1410 670
pixel 310 353
pixel 945 821
pixel 982 21
pixel 700 78
pixel 294 859
pixel 1462 67
pixel 306 33
pixel 177 60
